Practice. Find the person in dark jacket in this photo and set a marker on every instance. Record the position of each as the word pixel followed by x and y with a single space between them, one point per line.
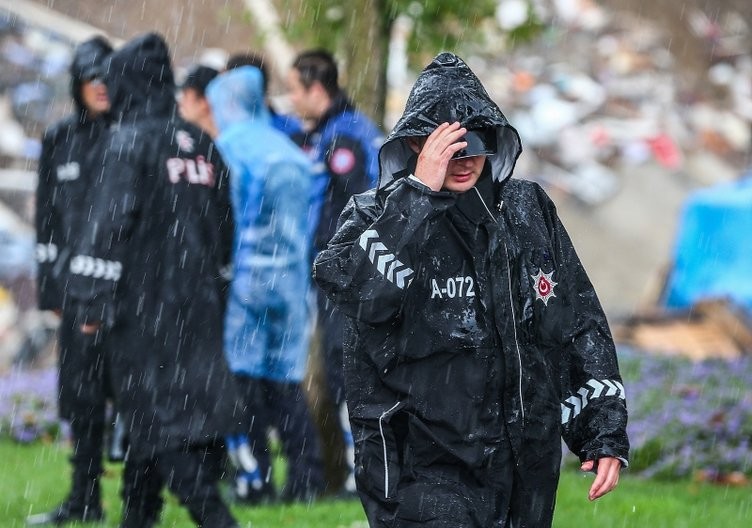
pixel 475 340
pixel 66 170
pixel 192 102
pixel 147 274
pixel 343 144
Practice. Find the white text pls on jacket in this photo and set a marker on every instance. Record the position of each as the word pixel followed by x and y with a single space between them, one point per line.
pixel 197 171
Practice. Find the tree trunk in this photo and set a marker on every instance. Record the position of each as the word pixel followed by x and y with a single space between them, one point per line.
pixel 365 52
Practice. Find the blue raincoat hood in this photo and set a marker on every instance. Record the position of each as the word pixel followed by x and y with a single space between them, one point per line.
pixel 237 96
pixel 447 90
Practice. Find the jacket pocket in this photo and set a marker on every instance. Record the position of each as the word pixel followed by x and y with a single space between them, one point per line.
pixel 389 450
pixel 378 456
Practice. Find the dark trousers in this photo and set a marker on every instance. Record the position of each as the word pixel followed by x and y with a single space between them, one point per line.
pixel 331 327
pixel 283 406
pixel 447 495
pixel 331 324
pixel 190 474
pixel 83 392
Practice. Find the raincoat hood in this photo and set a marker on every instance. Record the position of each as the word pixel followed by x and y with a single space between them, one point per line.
pixel 447 91
pixel 87 63
pixel 139 79
pixel 237 96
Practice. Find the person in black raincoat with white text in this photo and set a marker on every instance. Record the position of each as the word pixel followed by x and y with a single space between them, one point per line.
pixel 475 340
pixel 66 170
pixel 147 274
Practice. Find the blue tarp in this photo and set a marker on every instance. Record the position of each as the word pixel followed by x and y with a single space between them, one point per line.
pixel 713 252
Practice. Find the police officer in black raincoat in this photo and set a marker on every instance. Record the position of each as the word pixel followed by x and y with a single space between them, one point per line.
pixel 475 339
pixel 66 170
pixel 147 275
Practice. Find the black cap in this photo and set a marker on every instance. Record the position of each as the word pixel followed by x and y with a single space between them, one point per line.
pixel 479 142
pixel 199 78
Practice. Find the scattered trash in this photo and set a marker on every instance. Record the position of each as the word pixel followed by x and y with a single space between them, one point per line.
pixel 710 329
pixel 602 86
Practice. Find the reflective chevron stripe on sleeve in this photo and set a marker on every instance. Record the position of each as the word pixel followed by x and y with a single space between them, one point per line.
pixel 386 262
pixel 46 253
pixel 592 390
pixel 96 267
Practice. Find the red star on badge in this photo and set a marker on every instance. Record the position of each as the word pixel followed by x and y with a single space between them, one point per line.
pixel 544 286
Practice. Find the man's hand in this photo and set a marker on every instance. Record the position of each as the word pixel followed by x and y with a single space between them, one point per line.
pixel 438 149
pixel 607 477
pixel 90 328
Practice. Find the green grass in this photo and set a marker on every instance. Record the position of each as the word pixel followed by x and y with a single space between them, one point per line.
pixel 36 477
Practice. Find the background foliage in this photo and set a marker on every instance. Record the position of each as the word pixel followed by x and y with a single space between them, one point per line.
pixel 689 419
pixel 357 31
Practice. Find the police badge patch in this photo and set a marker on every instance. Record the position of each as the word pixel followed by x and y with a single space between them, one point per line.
pixel 342 161
pixel 544 286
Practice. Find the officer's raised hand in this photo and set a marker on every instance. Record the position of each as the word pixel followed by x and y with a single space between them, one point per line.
pixel 435 152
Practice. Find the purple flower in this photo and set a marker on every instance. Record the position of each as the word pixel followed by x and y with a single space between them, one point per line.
pixel 687 417
pixel 28 404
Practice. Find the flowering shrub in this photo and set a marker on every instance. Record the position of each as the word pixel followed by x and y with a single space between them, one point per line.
pixel 28 405
pixel 689 419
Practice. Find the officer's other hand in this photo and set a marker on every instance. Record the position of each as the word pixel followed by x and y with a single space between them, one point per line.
pixel 606 478
pixel 438 149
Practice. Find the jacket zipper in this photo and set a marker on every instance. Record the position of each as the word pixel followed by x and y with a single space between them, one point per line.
pixel 514 327
pixel 511 303
pixel 383 444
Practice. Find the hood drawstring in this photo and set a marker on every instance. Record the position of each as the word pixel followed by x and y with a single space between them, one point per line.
pixel 480 197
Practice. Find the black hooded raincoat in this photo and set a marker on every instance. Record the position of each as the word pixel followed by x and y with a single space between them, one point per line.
pixel 67 169
pixel 65 173
pixel 475 338
pixel 148 266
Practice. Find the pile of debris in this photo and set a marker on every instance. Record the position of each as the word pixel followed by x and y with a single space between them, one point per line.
pixel 600 92
pixel 33 86
pixel 711 329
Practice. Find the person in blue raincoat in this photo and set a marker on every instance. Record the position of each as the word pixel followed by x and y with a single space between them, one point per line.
pixel 289 124
pixel 266 326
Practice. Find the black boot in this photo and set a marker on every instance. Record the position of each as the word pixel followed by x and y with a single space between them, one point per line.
pixel 82 505
pixel 142 495
pixel 66 512
pixel 84 502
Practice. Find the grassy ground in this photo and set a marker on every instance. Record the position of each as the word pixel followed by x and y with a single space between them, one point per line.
pixel 33 478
